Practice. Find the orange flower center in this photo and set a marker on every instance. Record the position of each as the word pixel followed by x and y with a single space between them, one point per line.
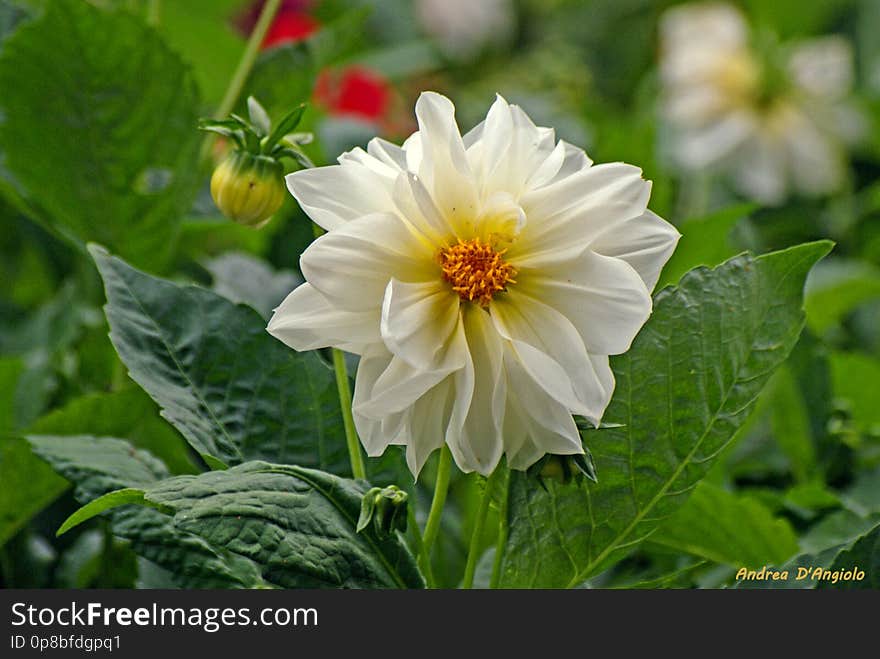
pixel 476 270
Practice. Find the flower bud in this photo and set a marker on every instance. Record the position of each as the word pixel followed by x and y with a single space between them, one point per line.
pixel 563 468
pixel 248 188
pixel 385 507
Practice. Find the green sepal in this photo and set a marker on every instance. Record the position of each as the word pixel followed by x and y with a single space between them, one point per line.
pixel 259 117
pixel 564 469
pixel 287 125
pixel 386 508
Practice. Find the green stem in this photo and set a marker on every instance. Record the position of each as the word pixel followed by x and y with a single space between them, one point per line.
pixel 351 438
pixel 419 544
pixel 441 487
pixel 502 540
pixel 236 84
pixel 154 12
pixel 477 535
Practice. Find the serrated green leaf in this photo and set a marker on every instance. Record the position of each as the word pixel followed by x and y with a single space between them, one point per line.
pixel 98 465
pixel 726 528
pixel 233 391
pixel 684 388
pixel 297 524
pixel 128 414
pixel 864 556
pixel 111 157
pixel 103 503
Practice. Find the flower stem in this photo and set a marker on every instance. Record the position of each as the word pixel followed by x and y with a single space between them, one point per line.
pixel 351 438
pixel 479 523
pixel 419 544
pixel 502 540
pixel 245 64
pixel 432 527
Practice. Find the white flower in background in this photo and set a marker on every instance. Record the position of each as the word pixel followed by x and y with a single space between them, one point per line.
pixel 777 120
pixel 484 281
pixel 463 27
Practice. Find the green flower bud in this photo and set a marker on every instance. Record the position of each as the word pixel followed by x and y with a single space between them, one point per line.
pixel 385 508
pixel 248 188
pixel 563 468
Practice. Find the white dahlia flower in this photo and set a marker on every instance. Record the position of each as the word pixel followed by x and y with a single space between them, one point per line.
pixel 484 280
pixel 776 119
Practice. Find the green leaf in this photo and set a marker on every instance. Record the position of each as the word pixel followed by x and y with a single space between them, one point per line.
pixel 704 241
pixel 862 555
pixel 111 157
pixel 850 546
pixel 726 528
pixel 97 506
pixel 203 32
pixel 835 288
pixel 855 377
pixel 128 414
pixel 28 486
pixel 298 525
pixel 684 388
pixel 233 391
pixel 790 421
pixel 98 465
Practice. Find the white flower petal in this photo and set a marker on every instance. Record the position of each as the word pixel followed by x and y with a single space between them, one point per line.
pixel 563 218
pixel 387 153
pixel 480 444
pixel 444 166
pixel 603 297
pixel 419 321
pixel 429 419
pixel 305 320
pixel 337 194
pixel 535 423
pixel 352 265
pixel 716 141
pixel 551 351
pixel 761 173
pixel 823 67
pixel 645 242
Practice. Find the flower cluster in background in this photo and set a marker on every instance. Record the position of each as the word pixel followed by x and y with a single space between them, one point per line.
pixel 775 117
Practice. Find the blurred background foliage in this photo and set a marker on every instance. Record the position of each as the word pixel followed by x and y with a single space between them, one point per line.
pixel 98 108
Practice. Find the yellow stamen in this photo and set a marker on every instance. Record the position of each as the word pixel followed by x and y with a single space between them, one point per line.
pixel 476 270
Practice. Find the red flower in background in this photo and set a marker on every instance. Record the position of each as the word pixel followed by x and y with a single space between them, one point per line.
pixel 292 23
pixel 289 27
pixel 354 91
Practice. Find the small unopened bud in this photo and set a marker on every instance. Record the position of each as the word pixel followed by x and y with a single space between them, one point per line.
pixel 248 188
pixel 564 468
pixel 385 508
